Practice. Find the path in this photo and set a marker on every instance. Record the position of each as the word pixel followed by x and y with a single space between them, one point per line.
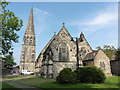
pixel 21 86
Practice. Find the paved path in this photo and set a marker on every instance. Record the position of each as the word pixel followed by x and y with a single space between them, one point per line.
pixel 21 86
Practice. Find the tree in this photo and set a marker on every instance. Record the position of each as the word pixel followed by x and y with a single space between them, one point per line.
pixel 117 54
pixel 98 48
pixel 109 50
pixel 8 62
pixel 10 24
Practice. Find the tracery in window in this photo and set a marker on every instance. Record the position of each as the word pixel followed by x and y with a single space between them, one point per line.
pixel 63 52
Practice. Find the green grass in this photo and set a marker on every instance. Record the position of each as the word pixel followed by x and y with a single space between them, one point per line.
pixel 6 86
pixel 110 82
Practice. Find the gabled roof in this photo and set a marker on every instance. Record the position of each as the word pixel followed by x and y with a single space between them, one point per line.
pixel 90 55
pixel 64 30
pixel 46 46
pixel 82 38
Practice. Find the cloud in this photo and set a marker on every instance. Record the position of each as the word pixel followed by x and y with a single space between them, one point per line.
pixel 41 18
pixel 102 25
pixel 42 12
pixel 105 17
pixel 98 20
pixel 102 19
pixel 41 21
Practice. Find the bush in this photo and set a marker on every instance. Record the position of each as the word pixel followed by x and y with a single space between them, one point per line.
pixel 90 74
pixel 66 76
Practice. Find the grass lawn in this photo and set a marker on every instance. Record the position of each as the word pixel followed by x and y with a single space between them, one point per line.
pixel 6 86
pixel 110 82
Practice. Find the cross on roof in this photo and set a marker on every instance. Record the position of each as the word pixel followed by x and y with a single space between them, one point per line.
pixel 63 24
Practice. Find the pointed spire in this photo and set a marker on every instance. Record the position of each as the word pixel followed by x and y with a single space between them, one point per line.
pixel 30 25
pixel 81 35
pixel 82 38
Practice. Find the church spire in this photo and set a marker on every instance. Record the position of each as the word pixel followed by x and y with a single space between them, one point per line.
pixel 30 25
pixel 28 53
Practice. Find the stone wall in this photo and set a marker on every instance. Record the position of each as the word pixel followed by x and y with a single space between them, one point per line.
pixel 101 57
pixel 28 66
pixel 88 63
pixel 58 66
pixel 115 67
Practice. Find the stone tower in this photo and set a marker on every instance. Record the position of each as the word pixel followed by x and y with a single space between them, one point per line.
pixel 27 59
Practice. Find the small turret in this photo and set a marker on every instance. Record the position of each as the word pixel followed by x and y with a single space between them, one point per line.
pixel 82 37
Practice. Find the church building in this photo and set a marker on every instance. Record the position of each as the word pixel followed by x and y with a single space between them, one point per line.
pixel 62 51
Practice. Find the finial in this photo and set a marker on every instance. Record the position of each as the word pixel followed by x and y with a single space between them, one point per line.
pixel 63 24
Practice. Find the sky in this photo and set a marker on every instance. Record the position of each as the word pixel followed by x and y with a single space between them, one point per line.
pixel 97 20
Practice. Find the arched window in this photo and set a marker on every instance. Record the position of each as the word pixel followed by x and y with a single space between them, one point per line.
pixel 63 52
pixel 27 40
pixel 33 56
pixel 102 65
pixel 30 40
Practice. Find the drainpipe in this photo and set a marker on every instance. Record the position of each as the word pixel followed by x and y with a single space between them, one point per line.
pixel 77 50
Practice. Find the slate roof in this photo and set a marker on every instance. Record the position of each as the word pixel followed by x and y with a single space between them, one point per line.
pixel 90 55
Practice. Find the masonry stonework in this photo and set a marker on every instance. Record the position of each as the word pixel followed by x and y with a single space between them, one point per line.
pixel 62 51
pixel 27 59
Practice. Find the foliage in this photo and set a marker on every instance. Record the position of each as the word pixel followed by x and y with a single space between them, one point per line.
pixel 109 50
pixel 117 57
pixel 10 24
pixel 117 54
pixel 90 74
pixel 66 76
pixel 8 64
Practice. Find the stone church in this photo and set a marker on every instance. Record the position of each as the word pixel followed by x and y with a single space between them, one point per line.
pixel 60 52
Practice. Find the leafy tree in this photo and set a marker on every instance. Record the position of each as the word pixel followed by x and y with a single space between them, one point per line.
pixel 9 62
pixel 10 24
pixel 109 50
pixel 117 54
pixel 98 48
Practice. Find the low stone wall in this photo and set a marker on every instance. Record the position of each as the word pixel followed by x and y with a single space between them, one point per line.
pixel 115 67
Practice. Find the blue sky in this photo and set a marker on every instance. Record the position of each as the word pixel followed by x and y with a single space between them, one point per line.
pixel 97 20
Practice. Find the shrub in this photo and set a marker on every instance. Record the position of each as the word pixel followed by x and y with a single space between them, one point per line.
pixel 90 74
pixel 66 76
